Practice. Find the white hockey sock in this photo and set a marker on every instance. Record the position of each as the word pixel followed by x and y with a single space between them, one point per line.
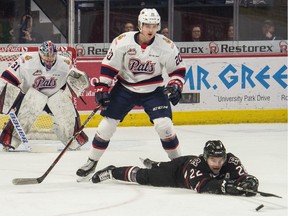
pixel 174 153
pixel 96 154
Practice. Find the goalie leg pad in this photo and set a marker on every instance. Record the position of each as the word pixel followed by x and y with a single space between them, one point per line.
pixel 9 96
pixel 27 112
pixel 66 119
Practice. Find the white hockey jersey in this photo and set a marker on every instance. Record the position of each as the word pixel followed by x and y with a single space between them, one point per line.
pixel 140 68
pixel 28 72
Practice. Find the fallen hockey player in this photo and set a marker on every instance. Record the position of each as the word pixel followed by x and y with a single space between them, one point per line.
pixel 215 171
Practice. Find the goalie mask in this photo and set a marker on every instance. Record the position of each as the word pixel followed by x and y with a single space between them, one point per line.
pixel 149 16
pixel 214 148
pixel 48 54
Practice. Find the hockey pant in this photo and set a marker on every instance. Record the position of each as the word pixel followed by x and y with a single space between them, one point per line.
pixel 165 174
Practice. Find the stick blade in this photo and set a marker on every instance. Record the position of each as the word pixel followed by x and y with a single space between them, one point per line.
pixel 268 195
pixel 25 181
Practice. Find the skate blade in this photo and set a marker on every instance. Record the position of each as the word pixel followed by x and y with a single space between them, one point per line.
pixel 84 179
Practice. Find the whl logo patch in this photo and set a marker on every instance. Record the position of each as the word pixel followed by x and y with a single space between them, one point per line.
pixel 37 73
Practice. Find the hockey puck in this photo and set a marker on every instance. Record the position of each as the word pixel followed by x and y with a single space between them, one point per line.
pixel 259 207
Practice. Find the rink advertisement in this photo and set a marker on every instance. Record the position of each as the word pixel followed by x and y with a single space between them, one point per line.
pixel 209 47
pixel 237 83
pixel 226 82
pixel 218 89
pixel 220 82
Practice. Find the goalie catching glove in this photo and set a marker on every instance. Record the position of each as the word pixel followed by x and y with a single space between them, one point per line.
pixel 174 89
pixel 102 94
pixel 78 81
pixel 244 185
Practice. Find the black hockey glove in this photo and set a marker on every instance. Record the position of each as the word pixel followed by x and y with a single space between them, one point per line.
pixel 244 185
pixel 174 89
pixel 248 185
pixel 102 94
pixel 229 187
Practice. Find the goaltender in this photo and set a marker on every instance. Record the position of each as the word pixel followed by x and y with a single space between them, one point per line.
pixel 42 81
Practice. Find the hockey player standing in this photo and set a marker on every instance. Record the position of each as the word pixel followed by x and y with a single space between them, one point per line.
pixel 215 171
pixel 137 59
pixel 42 81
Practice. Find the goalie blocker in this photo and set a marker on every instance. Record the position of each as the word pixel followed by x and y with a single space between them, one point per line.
pixel 28 108
pixel 9 95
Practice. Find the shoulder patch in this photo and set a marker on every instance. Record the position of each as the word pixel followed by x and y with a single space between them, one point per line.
pixel 234 160
pixel 121 36
pixel 167 40
pixel 28 57
pixel 67 61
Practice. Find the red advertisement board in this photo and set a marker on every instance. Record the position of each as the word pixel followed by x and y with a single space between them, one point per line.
pixel 92 67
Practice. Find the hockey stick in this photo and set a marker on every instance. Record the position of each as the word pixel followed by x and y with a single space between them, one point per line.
pixel 20 131
pixel 25 181
pixel 259 192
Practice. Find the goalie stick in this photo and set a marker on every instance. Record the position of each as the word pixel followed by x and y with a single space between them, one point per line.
pixel 20 131
pixel 259 192
pixel 25 181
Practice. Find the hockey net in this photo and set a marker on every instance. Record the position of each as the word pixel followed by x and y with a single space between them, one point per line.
pixel 42 127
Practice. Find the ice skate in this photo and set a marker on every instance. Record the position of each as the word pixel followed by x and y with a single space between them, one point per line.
pixel 103 174
pixel 86 170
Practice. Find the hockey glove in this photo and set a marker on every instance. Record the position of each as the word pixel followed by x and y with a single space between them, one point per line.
pixel 174 89
pixel 244 185
pixel 229 187
pixel 248 185
pixel 102 94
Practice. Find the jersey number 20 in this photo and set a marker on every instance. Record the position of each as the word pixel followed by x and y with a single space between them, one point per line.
pixel 178 59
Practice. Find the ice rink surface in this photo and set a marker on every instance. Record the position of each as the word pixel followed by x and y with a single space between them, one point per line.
pixel 262 149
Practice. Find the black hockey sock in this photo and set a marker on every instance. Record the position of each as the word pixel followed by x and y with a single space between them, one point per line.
pixel 125 173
